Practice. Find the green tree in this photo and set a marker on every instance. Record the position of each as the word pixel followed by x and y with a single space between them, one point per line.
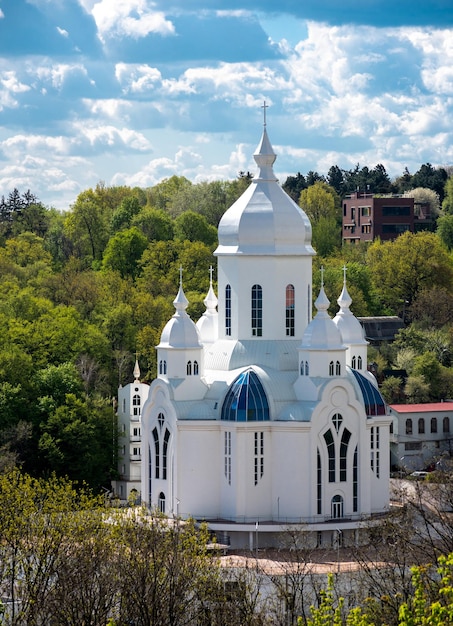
pixel 447 204
pixel 191 226
pixel 161 195
pixel 320 200
pixel 445 230
pixel 155 224
pixel 124 251
pixel 87 225
pixel 123 215
pixel 402 268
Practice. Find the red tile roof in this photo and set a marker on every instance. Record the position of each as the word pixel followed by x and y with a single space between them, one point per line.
pixel 428 407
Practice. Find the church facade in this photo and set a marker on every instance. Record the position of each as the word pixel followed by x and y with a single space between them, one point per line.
pixel 261 417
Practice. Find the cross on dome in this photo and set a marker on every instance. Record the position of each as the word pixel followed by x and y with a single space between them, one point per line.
pixel 264 106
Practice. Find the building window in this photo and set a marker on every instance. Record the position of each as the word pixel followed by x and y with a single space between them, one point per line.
pixel 165 454
pixel 353 362
pixel 161 420
pixel 337 507
pixel 359 362
pixel 337 420
pixel 227 456
pixel 290 310
pixel 161 502
pixel 434 424
pixel 355 481
pixel 259 456
pixel 338 368
pixel 408 426
pixel 228 310
pixel 331 368
pixel 328 437
pixel 136 404
pixel 257 310
pixel 421 426
pixel 124 405
pixel 366 211
pixel 156 453
pixel 319 483
pixel 374 450
pixel 195 368
pixel 344 454
pixel 307 369
pixel 446 425
pixel 246 400
pixel 162 367
pixel 189 368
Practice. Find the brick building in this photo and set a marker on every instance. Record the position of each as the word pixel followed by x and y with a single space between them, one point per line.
pixel 366 217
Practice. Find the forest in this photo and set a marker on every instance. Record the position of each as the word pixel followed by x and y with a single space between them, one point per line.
pixel 86 291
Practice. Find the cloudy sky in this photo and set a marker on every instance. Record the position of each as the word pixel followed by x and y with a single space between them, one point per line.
pixel 134 91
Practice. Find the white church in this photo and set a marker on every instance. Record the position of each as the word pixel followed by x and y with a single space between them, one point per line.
pixel 262 418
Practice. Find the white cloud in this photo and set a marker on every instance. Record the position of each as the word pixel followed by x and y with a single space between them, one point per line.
pixel 137 78
pixel 10 88
pixel 57 74
pixel 130 18
pixel 63 32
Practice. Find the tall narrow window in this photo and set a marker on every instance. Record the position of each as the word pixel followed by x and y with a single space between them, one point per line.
pixel 228 310
pixel 328 437
pixel 307 369
pixel 408 426
pixel 257 310
pixel 434 424
pixel 156 453
pixel 359 362
pixel 227 456
pixel 136 404
pixel 353 363
pixel 319 484
pixel 331 368
pixel 344 454
pixel 290 310
pixel 259 456
pixel 189 368
pixel 195 368
pixel 337 368
pixel 165 454
pixel 446 425
pixel 162 502
pixel 421 426
pixel 355 482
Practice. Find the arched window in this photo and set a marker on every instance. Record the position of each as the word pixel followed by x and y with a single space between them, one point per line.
pixel 434 424
pixel 355 482
pixel 331 368
pixel 246 400
pixel 136 404
pixel 337 420
pixel 124 405
pixel 421 426
pixel 302 368
pixel 446 425
pixel 408 426
pixel 359 362
pixel 165 454
pixel 307 369
pixel 161 503
pixel 337 507
pixel 156 453
pixel 328 438
pixel 290 310
pixel 257 311
pixel 189 368
pixel 161 367
pixel 338 368
pixel 353 362
pixel 161 420
pixel 195 367
pixel 344 454
pixel 228 310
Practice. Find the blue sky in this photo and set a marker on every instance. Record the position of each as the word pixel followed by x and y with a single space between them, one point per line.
pixel 133 91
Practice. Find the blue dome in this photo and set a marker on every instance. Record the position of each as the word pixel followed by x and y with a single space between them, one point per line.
pixel 246 400
pixel 372 399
